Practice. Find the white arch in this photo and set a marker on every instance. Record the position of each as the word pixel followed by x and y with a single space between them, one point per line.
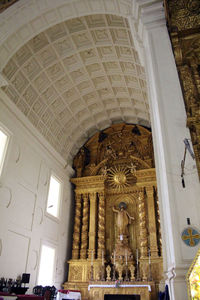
pixel 167 109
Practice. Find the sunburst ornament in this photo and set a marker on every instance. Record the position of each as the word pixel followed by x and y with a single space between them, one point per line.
pixel 119 177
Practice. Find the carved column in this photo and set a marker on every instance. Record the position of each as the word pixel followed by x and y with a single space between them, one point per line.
pixel 84 233
pixel 77 224
pixel 92 232
pixel 143 229
pixel 152 222
pixel 101 225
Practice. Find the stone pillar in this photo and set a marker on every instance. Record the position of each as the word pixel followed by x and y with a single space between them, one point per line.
pixel 77 224
pixel 84 233
pixel 92 226
pixel 152 221
pixel 168 123
pixel 101 226
pixel 142 224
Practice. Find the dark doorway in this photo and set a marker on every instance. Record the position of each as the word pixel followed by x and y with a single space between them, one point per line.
pixel 121 297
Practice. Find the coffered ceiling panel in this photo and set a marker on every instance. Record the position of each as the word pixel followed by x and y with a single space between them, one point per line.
pixel 79 77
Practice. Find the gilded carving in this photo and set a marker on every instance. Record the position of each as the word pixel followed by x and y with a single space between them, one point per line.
pixel 184 14
pixel 114 218
pixel 183 19
pixel 76 273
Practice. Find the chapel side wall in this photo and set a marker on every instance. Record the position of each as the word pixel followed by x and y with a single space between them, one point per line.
pixel 23 194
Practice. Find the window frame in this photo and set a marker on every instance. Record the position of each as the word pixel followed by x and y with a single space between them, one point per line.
pixel 55 176
pixel 50 245
pixel 6 149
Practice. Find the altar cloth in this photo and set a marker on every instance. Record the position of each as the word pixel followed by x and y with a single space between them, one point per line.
pixel 121 285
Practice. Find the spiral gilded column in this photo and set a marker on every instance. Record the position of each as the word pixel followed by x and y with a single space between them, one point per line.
pixel 92 221
pixel 84 233
pixel 77 228
pixel 101 226
pixel 142 225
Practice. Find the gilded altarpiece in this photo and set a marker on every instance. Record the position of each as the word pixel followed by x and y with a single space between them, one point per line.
pixel 183 20
pixel 117 247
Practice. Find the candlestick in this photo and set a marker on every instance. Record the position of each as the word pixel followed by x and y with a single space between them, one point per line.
pixel 137 256
pixel 114 257
pixel 102 258
pixel 126 256
pixel 92 259
pixel 149 256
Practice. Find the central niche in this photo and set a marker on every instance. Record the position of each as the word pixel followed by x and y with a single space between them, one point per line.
pixel 117 221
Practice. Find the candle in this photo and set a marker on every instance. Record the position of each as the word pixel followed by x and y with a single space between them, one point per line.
pixel 102 258
pixel 137 256
pixel 149 256
pixel 92 258
pixel 114 257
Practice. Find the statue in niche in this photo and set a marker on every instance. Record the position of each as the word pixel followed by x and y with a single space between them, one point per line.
pixel 79 162
pixel 123 220
pixel 122 253
pixel 109 152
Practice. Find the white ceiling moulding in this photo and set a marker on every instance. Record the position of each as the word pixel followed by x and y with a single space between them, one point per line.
pixel 73 77
pixel 25 19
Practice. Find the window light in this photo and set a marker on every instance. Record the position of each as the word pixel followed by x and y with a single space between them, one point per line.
pixel 46 268
pixel 53 202
pixel 3 147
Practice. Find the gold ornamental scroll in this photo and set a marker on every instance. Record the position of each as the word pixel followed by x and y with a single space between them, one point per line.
pixel 101 226
pixel 92 226
pixel 151 219
pixel 77 224
pixel 84 234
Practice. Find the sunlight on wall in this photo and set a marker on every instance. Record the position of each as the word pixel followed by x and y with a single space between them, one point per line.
pixel 3 147
pixel 46 269
pixel 53 202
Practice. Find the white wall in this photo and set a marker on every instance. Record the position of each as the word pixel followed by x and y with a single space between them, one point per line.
pixel 23 194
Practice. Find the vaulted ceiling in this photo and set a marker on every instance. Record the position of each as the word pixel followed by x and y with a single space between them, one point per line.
pixel 77 78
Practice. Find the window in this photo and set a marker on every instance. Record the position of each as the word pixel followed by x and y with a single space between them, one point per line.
pixel 4 139
pixel 47 263
pixel 54 196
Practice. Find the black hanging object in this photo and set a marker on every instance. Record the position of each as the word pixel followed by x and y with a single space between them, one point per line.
pixel 188 221
pixel 183 182
pixel 102 136
pixel 198 69
pixel 136 130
